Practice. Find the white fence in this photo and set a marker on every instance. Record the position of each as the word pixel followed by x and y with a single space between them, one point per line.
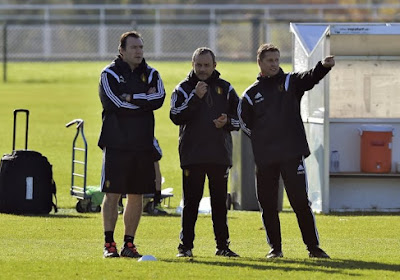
pixel 382 10
pixel 91 32
pixel 162 41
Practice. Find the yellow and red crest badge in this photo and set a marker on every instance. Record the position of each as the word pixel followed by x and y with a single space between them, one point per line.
pixel 143 78
pixel 280 87
pixel 219 90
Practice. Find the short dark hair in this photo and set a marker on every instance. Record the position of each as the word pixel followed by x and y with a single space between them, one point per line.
pixel 124 37
pixel 203 50
pixel 266 48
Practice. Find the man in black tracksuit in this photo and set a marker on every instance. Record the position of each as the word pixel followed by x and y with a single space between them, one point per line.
pixel 269 113
pixel 205 108
pixel 130 90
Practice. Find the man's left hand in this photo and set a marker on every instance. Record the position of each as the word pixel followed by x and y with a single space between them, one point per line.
pixel 125 97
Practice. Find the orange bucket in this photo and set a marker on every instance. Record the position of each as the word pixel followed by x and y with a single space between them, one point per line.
pixel 376 148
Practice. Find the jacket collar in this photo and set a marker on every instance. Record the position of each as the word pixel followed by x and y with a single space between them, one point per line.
pixel 193 79
pixel 126 68
pixel 276 77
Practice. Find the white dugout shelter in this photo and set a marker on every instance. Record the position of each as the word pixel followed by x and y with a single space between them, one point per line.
pixel 362 90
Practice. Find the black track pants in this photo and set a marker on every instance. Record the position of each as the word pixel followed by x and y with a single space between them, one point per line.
pixel 295 179
pixel 193 186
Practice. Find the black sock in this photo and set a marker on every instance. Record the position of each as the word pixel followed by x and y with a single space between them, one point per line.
pixel 128 238
pixel 157 197
pixel 109 236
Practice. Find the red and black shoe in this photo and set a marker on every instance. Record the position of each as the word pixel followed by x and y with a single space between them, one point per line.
pixel 110 250
pixel 129 250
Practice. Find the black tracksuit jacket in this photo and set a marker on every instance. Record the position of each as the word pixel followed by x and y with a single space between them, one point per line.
pixel 129 125
pixel 269 113
pixel 200 142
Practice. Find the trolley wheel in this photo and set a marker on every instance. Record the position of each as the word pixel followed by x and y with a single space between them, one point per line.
pixel 81 206
pixel 89 206
pixel 97 209
pixel 228 201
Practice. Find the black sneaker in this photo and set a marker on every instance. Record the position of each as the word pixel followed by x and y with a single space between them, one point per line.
pixel 129 250
pixel 226 253
pixel 184 252
pixel 274 253
pixel 110 250
pixel 317 252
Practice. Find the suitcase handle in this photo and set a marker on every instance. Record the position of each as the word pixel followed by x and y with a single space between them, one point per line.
pixel 16 111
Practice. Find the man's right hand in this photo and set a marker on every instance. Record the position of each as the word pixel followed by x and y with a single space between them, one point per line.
pixel 201 89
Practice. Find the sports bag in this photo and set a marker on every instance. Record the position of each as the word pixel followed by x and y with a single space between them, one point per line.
pixel 26 180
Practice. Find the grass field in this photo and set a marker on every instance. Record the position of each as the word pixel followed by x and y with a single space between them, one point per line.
pixel 68 245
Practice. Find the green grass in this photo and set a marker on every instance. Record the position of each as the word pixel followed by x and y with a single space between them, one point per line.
pixel 67 245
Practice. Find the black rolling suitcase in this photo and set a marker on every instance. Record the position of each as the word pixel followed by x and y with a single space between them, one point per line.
pixel 26 179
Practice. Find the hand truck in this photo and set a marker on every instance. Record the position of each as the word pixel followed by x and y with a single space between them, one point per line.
pixel 79 171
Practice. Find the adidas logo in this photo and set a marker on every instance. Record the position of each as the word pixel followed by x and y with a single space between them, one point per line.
pixel 300 169
pixel 258 96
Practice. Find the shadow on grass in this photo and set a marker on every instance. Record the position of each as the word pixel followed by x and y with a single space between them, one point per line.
pixel 61 214
pixel 350 213
pixel 340 264
pixel 53 216
pixel 169 215
pixel 366 214
pixel 331 266
pixel 175 215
